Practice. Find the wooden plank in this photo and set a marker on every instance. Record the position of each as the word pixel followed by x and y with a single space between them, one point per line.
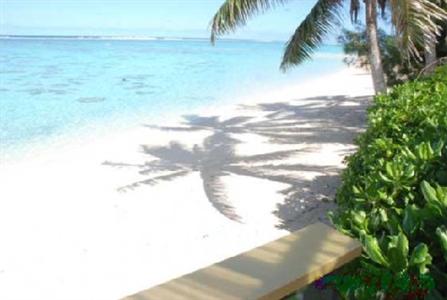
pixel 271 271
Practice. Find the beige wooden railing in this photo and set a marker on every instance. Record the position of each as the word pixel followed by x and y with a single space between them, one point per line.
pixel 271 271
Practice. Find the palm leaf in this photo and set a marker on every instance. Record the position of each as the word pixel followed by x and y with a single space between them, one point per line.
pixel 310 33
pixel 235 13
pixel 415 21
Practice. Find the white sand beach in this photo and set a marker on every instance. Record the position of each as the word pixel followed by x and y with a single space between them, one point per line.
pixel 107 218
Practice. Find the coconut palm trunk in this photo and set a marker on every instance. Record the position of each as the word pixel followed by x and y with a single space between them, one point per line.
pixel 412 20
pixel 375 60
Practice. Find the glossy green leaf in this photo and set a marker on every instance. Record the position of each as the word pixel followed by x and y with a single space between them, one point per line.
pixel 429 192
pixel 441 232
pixel 420 258
pixel 399 203
pixel 373 250
pixel 398 252
pixel 411 219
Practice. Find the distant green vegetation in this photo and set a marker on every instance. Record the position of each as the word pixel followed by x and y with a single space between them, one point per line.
pixel 397 68
pixel 394 194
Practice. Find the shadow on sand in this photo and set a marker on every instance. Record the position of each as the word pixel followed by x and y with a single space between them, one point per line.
pixel 303 126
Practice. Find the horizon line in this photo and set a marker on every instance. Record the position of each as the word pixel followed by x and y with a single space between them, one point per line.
pixel 138 38
pixel 126 37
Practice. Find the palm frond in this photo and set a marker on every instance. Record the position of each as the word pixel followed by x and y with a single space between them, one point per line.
pixel 235 13
pixel 310 33
pixel 416 21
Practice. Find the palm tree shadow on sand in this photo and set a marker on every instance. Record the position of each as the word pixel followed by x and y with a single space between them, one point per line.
pixel 312 122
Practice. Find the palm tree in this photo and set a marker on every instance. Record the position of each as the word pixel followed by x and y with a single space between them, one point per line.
pixel 375 60
pixel 413 37
pixel 430 54
pixel 413 20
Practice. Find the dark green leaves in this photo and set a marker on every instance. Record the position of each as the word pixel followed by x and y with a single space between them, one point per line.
pixel 310 33
pixel 412 219
pixel 394 193
pixel 415 21
pixel 398 252
pixel 307 37
pixel 234 13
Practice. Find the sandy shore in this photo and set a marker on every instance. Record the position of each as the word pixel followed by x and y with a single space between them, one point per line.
pixel 107 218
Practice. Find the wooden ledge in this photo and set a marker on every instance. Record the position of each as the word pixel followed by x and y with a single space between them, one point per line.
pixel 271 271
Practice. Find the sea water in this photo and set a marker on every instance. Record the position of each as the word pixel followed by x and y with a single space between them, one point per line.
pixel 57 87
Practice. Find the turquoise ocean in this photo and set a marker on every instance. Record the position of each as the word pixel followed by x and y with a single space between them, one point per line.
pixel 52 88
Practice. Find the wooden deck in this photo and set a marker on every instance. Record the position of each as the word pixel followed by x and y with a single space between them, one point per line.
pixel 271 271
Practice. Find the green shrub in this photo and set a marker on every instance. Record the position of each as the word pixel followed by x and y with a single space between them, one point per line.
pixel 397 68
pixel 394 194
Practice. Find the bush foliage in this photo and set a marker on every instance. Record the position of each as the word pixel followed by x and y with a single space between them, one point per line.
pixel 394 193
pixel 397 68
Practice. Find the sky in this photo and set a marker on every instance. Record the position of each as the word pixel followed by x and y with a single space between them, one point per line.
pixel 172 18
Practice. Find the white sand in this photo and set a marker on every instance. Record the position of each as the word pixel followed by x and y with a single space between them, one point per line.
pixel 107 218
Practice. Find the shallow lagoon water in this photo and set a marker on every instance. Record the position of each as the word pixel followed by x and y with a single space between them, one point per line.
pixel 54 88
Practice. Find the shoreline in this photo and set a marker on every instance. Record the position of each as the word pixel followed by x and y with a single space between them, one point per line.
pixel 36 151
pixel 120 213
